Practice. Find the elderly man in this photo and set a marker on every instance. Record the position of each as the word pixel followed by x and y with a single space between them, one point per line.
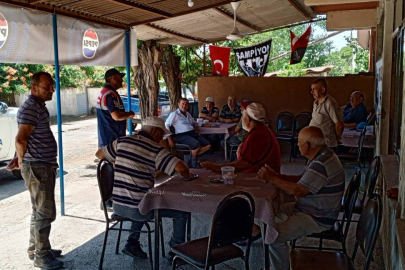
pixel 36 156
pixel 355 111
pixel 318 191
pixel 183 124
pixel 111 113
pixel 137 158
pixel 230 113
pixel 259 148
pixel 209 112
pixel 326 113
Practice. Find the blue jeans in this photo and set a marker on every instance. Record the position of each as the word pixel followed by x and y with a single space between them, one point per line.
pixel 39 179
pixel 179 222
pixel 192 139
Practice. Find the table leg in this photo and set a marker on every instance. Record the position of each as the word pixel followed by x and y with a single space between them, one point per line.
pixel 226 149
pixel 157 239
pixel 266 247
pixel 188 236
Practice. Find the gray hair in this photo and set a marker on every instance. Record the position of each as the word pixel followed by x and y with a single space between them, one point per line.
pixel 313 135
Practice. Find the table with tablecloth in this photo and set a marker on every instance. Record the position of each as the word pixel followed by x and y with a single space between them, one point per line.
pixel 351 137
pixel 202 196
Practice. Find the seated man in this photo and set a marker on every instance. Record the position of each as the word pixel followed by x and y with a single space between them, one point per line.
pixel 183 123
pixel 230 113
pixel 355 111
pixel 209 112
pixel 137 158
pixel 259 148
pixel 318 190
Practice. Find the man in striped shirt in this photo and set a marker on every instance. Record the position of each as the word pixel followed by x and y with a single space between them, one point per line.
pixel 318 191
pixel 36 156
pixel 137 158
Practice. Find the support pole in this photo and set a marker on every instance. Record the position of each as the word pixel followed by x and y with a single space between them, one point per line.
pixel 128 60
pixel 204 65
pixel 59 113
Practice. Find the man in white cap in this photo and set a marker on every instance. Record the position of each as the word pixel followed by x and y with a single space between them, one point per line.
pixel 137 158
pixel 209 112
pixel 260 146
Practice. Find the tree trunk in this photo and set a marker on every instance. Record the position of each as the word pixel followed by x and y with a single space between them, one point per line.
pixel 171 75
pixel 146 77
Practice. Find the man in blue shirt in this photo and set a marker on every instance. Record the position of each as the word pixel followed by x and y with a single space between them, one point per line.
pixel 355 111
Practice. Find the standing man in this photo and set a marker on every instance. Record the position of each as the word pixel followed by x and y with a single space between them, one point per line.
pixel 326 113
pixel 111 114
pixel 318 191
pixel 36 156
pixel 230 113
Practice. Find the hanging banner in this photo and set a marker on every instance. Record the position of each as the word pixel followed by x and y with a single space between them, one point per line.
pixel 220 60
pixel 253 60
pixel 299 46
pixel 26 36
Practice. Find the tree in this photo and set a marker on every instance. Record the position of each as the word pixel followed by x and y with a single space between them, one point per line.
pixel 171 74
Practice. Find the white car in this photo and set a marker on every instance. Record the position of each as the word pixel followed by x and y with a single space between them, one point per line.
pixel 8 131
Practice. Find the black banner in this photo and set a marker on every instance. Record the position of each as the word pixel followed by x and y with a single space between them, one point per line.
pixel 253 60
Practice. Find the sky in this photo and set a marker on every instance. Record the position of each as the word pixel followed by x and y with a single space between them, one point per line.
pixel 339 41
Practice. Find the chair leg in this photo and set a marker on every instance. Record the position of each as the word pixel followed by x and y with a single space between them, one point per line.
pixel 174 262
pixel 320 243
pixel 293 243
pixel 118 239
pixel 162 240
pixel 149 245
pixel 104 244
pixel 344 247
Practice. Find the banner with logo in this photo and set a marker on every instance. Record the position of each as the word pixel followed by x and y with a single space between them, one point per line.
pixel 253 60
pixel 220 60
pixel 299 46
pixel 26 36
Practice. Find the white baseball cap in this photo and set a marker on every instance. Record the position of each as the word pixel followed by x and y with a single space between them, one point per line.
pixel 210 99
pixel 256 111
pixel 155 121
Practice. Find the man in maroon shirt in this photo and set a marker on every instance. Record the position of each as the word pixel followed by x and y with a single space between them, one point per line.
pixel 259 148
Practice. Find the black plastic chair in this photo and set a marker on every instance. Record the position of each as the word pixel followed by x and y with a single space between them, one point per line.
pixel 340 229
pixel 285 129
pixel 366 236
pixel 105 178
pixel 232 222
pixel 301 120
pixel 180 148
pixel 355 154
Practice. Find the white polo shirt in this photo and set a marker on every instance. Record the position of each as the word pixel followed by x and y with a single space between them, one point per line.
pixel 180 122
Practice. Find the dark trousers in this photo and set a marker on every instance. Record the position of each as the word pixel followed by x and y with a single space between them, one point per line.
pixel 40 181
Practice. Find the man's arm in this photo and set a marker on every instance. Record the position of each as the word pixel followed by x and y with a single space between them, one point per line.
pixel 239 165
pixel 182 169
pixel 120 116
pixel 21 141
pixel 339 126
pixel 235 120
pixel 349 125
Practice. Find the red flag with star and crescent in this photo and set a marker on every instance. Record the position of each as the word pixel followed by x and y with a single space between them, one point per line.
pixel 220 60
pixel 299 46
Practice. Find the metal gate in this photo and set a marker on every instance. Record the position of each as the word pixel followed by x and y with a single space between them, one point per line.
pixel 81 103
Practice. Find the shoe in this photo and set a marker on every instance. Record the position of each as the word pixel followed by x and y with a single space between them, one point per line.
pixel 55 253
pixel 47 262
pixel 134 250
pixel 254 239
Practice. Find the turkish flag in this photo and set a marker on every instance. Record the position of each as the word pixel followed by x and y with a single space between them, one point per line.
pixel 299 46
pixel 220 60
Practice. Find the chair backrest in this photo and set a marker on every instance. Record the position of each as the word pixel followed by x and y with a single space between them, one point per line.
pixel 232 222
pixel 301 120
pixel 361 143
pixel 105 179
pixel 349 201
pixel 371 177
pixel 368 228
pixel 285 123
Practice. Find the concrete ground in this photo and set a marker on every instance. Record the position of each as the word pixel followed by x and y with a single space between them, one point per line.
pixel 80 232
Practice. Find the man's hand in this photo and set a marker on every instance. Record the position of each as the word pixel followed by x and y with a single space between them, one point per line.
pixel 228 121
pixel 211 166
pixel 131 115
pixel 266 173
pixel 13 164
pixel 202 115
pixel 170 141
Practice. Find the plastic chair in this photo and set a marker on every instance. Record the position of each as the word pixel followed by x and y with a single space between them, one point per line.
pixel 366 236
pixel 301 120
pixel 340 229
pixel 181 148
pixel 232 222
pixel 285 129
pixel 105 179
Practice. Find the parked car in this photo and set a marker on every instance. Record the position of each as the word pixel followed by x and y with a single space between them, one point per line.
pixel 8 132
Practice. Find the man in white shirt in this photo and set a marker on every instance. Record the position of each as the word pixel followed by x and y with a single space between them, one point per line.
pixel 183 124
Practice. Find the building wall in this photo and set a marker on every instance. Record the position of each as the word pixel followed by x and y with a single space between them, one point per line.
pixel 279 94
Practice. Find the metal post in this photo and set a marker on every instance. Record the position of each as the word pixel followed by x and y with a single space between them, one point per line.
pixel 128 58
pixel 59 114
pixel 204 67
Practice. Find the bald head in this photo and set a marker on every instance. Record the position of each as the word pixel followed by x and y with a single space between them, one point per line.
pixel 312 135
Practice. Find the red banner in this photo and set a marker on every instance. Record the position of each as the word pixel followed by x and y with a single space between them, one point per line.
pixel 299 46
pixel 220 60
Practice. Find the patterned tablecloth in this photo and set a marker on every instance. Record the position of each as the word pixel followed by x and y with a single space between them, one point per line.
pixel 202 196
pixel 224 128
pixel 351 137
